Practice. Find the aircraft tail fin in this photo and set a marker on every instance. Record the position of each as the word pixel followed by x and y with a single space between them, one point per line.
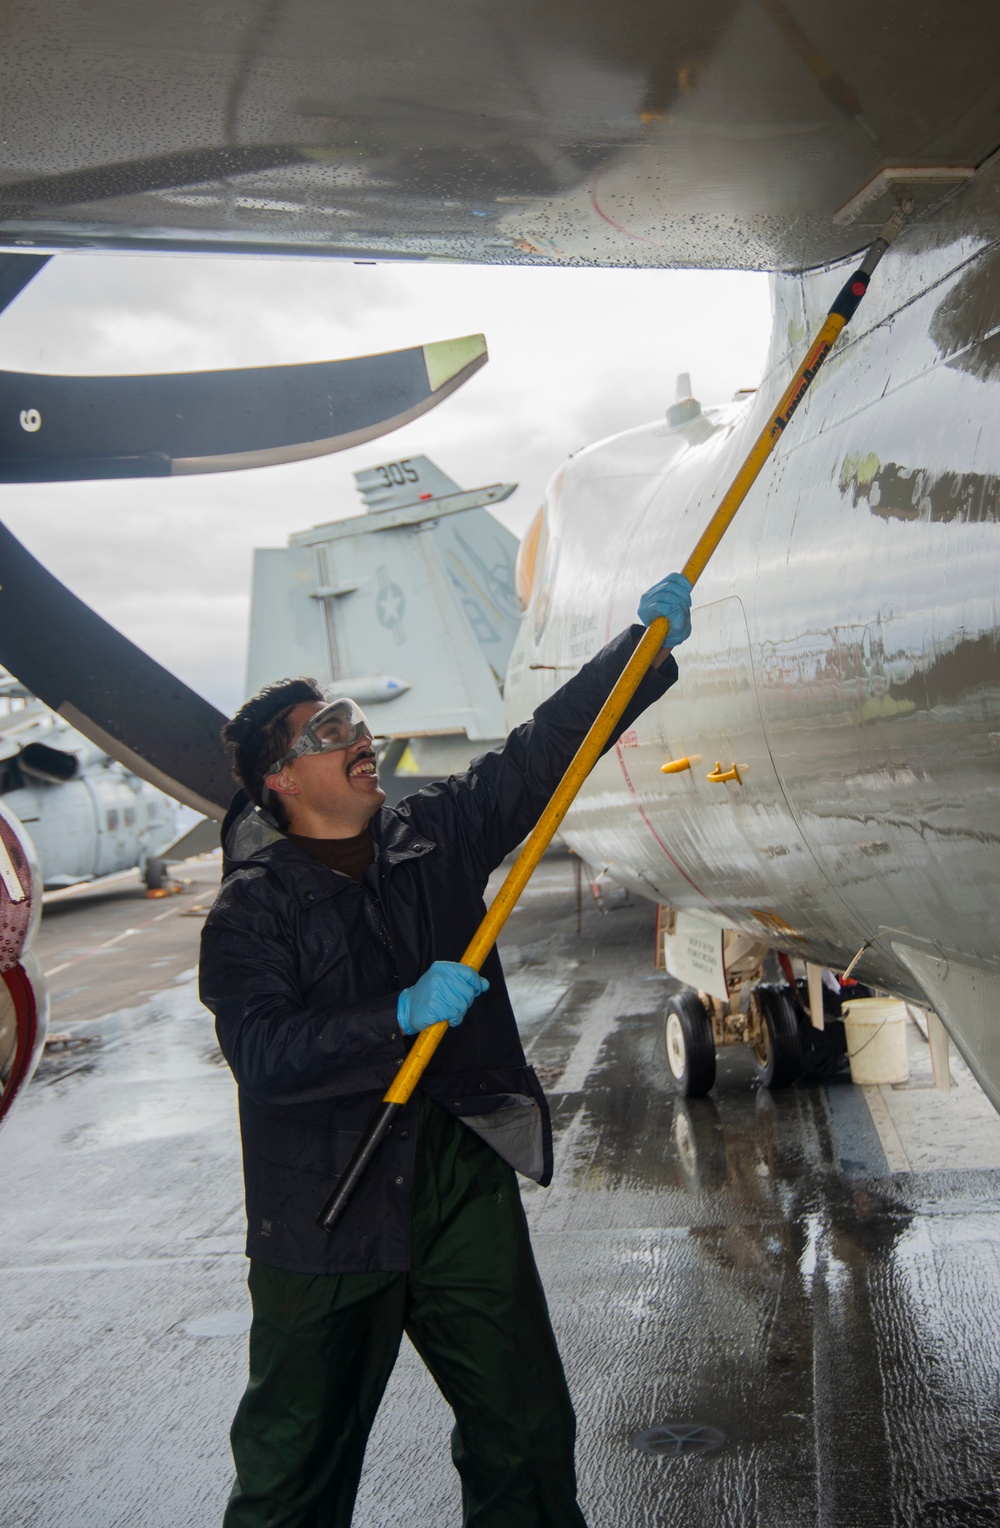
pixel 410 606
pixel 392 485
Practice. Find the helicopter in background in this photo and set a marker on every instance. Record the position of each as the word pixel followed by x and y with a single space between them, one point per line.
pixel 87 815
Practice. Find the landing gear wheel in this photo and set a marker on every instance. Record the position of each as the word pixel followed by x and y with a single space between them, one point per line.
pixel 779 1051
pixel 690 1046
pixel 157 874
pixel 159 881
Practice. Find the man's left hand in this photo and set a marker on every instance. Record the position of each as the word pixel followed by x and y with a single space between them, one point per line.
pixel 671 597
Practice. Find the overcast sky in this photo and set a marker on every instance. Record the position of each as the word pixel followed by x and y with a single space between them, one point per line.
pixel 575 355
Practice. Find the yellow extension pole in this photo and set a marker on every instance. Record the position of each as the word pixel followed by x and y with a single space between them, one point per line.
pixel 603 727
pixel 604 724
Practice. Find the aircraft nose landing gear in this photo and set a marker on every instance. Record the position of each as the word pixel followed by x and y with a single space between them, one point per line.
pixel 697 1024
pixel 727 1002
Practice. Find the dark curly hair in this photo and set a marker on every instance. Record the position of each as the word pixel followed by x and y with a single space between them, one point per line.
pixel 259 733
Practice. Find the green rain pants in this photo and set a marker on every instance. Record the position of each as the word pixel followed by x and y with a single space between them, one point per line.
pixel 322 1348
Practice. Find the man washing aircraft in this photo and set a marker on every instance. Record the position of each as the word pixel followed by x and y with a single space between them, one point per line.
pixel 336 936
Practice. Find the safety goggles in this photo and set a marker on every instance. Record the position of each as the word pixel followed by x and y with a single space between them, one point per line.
pixel 336 726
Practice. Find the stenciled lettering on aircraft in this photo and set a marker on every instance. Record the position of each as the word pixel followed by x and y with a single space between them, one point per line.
pixel 815 361
pixel 31 420
pixel 583 636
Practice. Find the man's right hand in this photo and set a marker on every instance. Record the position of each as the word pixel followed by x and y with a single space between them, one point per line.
pixel 444 993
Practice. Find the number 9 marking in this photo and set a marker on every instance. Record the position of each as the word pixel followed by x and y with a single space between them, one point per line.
pixel 31 420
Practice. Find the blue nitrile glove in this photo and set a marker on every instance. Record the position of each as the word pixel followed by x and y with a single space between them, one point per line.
pixel 446 991
pixel 670 597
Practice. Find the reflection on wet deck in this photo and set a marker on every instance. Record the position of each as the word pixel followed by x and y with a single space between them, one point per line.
pixel 748 1261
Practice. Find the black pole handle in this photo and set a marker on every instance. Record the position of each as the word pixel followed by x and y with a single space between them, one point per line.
pixel 364 1151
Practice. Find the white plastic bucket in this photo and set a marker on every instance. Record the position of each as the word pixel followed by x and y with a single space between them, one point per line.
pixel 876 1040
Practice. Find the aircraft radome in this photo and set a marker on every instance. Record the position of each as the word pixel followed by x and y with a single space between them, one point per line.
pixel 846 638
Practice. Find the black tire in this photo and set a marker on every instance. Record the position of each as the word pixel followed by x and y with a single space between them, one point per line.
pixel 690 1046
pixel 779 1056
pixel 157 874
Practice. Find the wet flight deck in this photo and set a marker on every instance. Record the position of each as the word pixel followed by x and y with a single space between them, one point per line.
pixel 775 1310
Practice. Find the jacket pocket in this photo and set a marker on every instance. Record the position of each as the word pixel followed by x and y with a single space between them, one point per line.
pixel 290 1195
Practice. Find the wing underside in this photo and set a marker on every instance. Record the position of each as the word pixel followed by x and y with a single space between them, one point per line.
pixel 730 133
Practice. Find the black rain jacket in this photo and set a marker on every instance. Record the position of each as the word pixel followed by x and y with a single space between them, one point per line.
pixel 302 966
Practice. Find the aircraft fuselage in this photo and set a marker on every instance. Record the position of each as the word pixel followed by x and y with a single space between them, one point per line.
pixel 845 653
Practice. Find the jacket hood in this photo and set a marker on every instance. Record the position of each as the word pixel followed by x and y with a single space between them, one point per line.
pixel 250 833
pixel 246 830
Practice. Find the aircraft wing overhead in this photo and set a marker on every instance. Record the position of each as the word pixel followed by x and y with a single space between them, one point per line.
pixel 120 698
pixel 726 133
pixel 69 428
